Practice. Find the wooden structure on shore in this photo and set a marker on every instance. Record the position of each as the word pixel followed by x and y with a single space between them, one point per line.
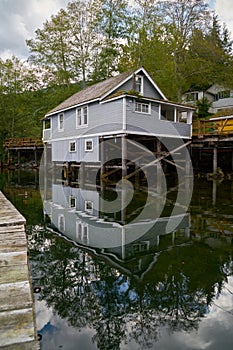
pixel 23 146
pixel 212 142
pixel 17 318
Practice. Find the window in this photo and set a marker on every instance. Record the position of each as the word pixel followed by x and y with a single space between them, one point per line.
pixel 88 145
pixel 192 96
pixel 85 235
pixel 82 233
pixel 89 206
pixel 139 84
pixel 79 230
pixel 47 123
pixel 142 107
pixel 141 246
pixel 72 202
pixel 223 94
pixel 72 146
pixel 84 115
pixel 61 122
pixel 61 222
pixel 81 117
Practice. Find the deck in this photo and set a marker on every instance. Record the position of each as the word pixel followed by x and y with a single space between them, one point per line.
pixel 23 143
pixel 215 127
pixel 17 318
pixel 212 141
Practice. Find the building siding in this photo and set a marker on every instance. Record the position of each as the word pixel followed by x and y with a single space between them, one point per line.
pixel 61 153
pixel 99 116
pixel 150 123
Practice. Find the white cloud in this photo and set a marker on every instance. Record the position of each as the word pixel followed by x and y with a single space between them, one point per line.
pixel 223 8
pixel 19 19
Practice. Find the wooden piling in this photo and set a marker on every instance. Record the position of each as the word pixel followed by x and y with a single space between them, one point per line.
pixel 17 316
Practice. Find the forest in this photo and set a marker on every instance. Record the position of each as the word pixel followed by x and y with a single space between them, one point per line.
pixel 182 44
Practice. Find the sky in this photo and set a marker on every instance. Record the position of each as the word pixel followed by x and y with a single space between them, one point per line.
pixel 20 18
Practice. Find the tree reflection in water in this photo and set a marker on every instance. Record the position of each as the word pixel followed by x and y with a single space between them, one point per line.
pixel 87 290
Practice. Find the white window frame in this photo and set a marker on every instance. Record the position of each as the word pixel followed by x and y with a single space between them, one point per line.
pixel 89 210
pixel 82 232
pixel 60 125
pixel 80 115
pixel 141 85
pixel 148 104
pixel 86 149
pixel 75 148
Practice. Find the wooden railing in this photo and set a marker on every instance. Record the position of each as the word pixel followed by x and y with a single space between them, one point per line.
pixel 22 142
pixel 220 127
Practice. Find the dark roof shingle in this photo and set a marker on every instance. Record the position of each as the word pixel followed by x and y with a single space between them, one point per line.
pixel 91 93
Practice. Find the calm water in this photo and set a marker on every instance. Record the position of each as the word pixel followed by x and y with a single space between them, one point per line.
pixel 96 287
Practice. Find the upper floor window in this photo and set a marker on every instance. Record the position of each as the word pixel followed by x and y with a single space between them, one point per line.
pixel 191 96
pixel 47 123
pixel 61 121
pixel 61 222
pixel 88 145
pixel 81 116
pixel 142 107
pixel 82 232
pixel 139 84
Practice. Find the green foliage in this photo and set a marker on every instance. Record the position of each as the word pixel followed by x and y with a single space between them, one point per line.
pixel 23 103
pixel 180 42
pixel 203 108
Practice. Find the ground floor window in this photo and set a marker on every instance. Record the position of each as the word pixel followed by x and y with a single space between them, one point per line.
pixel 88 145
pixel 72 202
pixel 72 146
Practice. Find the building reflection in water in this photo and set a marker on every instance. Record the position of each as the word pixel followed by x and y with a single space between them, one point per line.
pixel 121 232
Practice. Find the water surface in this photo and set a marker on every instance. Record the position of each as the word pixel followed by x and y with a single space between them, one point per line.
pixel 160 291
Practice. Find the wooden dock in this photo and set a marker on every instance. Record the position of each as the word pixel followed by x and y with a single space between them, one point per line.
pixel 17 316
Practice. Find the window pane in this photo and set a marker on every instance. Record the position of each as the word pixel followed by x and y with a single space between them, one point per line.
pixel 142 107
pixel 85 115
pixel 72 146
pixel 89 206
pixel 145 108
pixel 61 121
pixel 72 202
pixel 47 124
pixel 89 146
pixel 78 116
pixel 139 84
pixel 79 230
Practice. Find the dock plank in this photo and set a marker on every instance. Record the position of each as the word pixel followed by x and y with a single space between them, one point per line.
pixel 16 326
pixel 15 296
pixel 17 316
pixel 13 258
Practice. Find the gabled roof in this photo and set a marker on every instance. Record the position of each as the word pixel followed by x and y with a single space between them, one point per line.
pixel 101 90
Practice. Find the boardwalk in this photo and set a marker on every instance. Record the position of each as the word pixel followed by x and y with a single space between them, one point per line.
pixel 17 319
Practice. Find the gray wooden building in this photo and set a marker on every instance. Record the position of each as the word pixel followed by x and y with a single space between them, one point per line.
pixel 127 106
